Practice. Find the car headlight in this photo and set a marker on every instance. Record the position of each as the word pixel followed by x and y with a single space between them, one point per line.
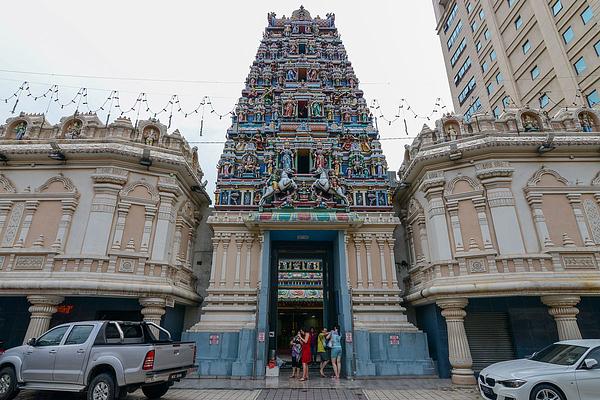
pixel 513 383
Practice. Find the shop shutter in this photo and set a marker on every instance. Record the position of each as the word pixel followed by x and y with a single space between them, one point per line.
pixel 490 338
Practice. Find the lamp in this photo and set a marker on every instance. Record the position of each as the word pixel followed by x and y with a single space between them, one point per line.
pixel 57 153
pixel 547 146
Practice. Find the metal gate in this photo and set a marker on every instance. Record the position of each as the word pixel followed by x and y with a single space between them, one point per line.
pixel 490 338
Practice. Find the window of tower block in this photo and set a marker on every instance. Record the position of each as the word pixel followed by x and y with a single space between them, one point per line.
pixel 303 161
pixel 301 74
pixel 302 109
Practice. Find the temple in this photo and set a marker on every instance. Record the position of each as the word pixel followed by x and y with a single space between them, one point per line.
pixel 303 226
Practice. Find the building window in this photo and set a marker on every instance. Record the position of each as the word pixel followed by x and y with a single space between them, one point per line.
pixel 526 47
pixel 458 52
pixel 597 48
pixel 556 8
pixel 473 109
pixel 469 8
pixel 511 3
pixel 568 35
pixel 497 112
pixel 454 34
pixel 544 100
pixel 499 78
pixel 462 71
pixel 518 22
pixel 485 66
pixel 464 94
pixel 587 15
pixel 580 66
pixel 474 26
pixel 535 72
pixel 506 101
pixel 490 88
pixel 478 46
pixel 493 55
pixel 451 17
pixel 487 35
pixel 593 98
pixel 481 15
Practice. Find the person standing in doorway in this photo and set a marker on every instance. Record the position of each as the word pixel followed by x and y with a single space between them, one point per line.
pixel 323 351
pixel 296 350
pixel 306 354
pixel 313 344
pixel 335 341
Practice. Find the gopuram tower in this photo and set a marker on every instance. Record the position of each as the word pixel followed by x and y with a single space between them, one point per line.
pixel 303 222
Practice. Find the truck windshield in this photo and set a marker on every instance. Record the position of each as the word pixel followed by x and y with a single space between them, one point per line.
pixel 560 354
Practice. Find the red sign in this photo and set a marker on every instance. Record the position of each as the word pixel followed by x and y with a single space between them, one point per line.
pixel 394 340
pixel 348 337
pixel 261 337
pixel 213 339
pixel 65 309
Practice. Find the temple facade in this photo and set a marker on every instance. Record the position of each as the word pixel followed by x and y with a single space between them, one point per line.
pixel 96 222
pixel 303 225
pixel 501 222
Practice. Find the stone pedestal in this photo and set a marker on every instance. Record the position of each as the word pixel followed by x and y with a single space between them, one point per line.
pixel 153 310
pixel 562 308
pixel 458 344
pixel 42 308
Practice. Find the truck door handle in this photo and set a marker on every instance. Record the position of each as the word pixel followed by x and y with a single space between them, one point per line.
pixel 52 352
pixel 80 351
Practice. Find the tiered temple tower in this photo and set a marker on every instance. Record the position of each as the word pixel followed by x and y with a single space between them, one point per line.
pixel 303 222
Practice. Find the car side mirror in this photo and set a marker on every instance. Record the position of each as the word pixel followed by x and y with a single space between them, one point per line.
pixel 530 356
pixel 31 342
pixel 590 363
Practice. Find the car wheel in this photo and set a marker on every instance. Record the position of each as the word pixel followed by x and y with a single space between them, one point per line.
pixel 156 391
pixel 102 387
pixel 546 392
pixel 8 383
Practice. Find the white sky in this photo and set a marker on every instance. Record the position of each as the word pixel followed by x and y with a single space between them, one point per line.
pixel 391 43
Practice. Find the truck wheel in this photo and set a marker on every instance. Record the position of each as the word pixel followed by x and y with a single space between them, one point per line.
pixel 8 383
pixel 156 391
pixel 102 387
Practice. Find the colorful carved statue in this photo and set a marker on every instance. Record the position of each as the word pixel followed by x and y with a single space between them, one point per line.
pixel 289 109
pixel 313 75
pixel 291 75
pixel 586 122
pixel 74 129
pixel 316 109
pixel 530 124
pixel 20 130
pixel 287 158
pixel 150 135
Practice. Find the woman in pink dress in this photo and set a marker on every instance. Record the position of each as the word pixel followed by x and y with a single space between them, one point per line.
pixel 306 353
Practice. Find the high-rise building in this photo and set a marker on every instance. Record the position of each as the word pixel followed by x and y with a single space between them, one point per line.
pixel 303 223
pixel 544 54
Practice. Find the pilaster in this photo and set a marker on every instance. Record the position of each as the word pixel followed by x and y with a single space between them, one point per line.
pixel 30 209
pixel 575 202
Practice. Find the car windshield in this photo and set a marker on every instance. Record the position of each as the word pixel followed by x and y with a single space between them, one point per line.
pixel 560 354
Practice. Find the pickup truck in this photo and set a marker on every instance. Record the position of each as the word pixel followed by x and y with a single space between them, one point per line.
pixel 103 359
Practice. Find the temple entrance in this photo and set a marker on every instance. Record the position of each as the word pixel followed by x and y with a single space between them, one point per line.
pixel 302 292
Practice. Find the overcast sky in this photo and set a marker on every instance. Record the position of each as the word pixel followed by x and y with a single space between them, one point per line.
pixel 391 43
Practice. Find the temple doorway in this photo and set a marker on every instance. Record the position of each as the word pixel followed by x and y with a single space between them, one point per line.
pixel 302 293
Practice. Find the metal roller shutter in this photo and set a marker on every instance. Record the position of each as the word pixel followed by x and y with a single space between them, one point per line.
pixel 490 338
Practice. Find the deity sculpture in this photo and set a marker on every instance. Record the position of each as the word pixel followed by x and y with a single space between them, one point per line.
pixel 74 129
pixel 451 132
pixel 530 124
pixel 316 109
pixel 346 116
pixel 320 159
pixel 586 122
pixel 20 130
pixel 287 158
pixel 291 75
pixel 150 136
pixel 313 75
pixel 289 109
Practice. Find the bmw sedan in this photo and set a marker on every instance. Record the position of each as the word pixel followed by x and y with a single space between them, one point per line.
pixel 567 370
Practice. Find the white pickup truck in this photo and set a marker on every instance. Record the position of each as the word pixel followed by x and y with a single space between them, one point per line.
pixel 104 359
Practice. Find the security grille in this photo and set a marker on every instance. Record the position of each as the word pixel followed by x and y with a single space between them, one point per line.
pixel 490 338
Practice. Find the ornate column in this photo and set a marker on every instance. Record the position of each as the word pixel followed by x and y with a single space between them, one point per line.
pixel 162 245
pixel 367 240
pixel 30 208
pixel 575 201
pixel 216 240
pixel 177 241
pixel 153 308
pixel 149 213
pixel 458 344
pixel 122 211
pixel 190 249
pixel 423 236
pixel 357 243
pixel 562 308
pixel 381 244
pixel 42 308
pixel 432 186
pixel 390 242
pixel 535 202
pixel 249 242
pixel 108 181
pixel 479 204
pixel 455 222
pixel 5 206
pixel 412 253
pixel 68 209
pixel 239 242
pixel 225 238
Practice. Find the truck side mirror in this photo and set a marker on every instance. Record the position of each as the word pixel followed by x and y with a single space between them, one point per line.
pixel 590 363
pixel 31 341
